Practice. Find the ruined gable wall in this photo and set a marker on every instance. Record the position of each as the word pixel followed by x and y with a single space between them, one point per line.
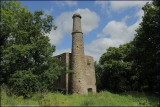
pixel 90 73
pixel 61 82
pixel 64 83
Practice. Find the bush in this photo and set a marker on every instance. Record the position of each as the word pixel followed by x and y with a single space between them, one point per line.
pixel 24 83
pixel 26 53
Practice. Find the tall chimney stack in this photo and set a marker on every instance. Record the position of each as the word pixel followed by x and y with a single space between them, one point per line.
pixel 78 84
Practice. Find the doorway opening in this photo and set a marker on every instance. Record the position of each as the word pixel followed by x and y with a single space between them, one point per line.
pixel 89 89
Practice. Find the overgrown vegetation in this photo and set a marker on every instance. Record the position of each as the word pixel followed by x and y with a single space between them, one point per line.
pixel 133 66
pixel 103 98
pixel 28 69
pixel 27 64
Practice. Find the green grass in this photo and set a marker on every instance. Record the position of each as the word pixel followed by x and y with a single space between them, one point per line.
pixel 104 98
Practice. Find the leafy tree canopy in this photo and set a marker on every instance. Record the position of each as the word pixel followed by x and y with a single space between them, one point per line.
pixel 146 43
pixel 116 68
pixel 27 63
pixel 135 65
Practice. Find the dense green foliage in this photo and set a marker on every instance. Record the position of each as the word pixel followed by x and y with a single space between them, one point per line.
pixel 135 65
pixel 117 68
pixel 29 69
pixel 27 64
pixel 103 98
pixel 98 73
pixel 146 51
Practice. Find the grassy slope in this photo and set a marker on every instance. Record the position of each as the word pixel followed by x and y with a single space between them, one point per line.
pixel 99 99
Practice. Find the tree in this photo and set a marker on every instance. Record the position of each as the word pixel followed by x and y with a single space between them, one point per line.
pixel 98 73
pixel 27 63
pixel 116 68
pixel 146 51
pixel 135 65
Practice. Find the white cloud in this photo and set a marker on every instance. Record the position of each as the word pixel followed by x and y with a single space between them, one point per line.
pixel 48 12
pixel 139 14
pixel 55 36
pixel 65 23
pixel 104 7
pixel 71 3
pixel 118 30
pixel 95 49
pixel 100 35
pixel 116 5
pixel 99 46
pixel 102 3
pixel 125 18
pixel 119 33
pixel 89 20
pixel 64 3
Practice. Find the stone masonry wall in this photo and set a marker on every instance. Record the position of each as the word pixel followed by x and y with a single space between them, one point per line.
pixel 90 73
pixel 64 82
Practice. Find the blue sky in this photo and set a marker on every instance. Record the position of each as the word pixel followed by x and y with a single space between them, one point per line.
pixel 104 23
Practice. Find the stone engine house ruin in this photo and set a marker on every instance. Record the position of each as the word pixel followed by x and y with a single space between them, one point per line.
pixel 83 79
